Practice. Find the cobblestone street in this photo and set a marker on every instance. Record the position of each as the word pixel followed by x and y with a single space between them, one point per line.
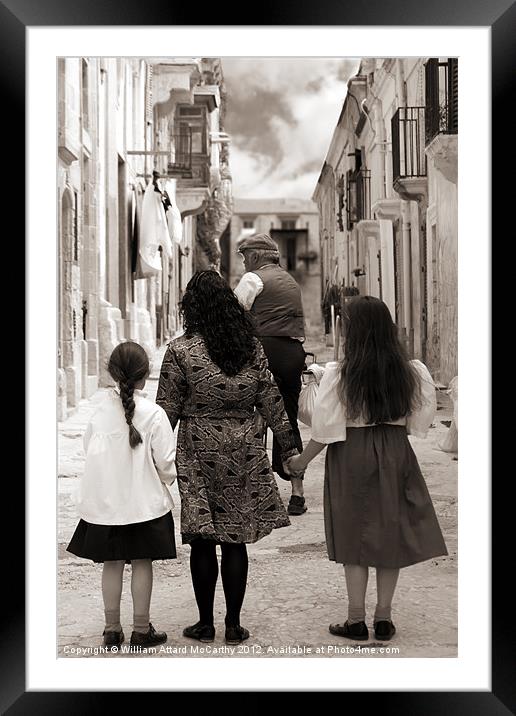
pixel 293 592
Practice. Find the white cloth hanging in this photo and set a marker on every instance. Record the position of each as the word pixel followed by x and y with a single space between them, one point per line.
pixel 175 225
pixel 153 232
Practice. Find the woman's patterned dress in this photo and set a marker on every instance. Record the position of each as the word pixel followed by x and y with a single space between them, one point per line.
pixel 228 491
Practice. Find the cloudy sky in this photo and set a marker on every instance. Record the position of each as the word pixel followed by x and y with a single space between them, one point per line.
pixel 281 114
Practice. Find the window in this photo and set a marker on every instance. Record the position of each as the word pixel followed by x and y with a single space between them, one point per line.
pixel 288 224
pixel 441 95
pixel 194 118
pixel 248 224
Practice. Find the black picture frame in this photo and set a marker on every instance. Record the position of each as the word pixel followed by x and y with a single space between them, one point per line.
pixel 15 17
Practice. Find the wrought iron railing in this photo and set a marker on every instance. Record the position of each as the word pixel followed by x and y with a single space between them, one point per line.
pixel 181 162
pixel 364 194
pixel 441 91
pixel 408 143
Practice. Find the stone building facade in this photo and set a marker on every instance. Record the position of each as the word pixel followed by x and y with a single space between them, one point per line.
pixel 387 199
pixel 123 123
pixel 294 224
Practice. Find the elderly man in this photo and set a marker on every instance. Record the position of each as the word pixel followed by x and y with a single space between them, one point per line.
pixel 274 299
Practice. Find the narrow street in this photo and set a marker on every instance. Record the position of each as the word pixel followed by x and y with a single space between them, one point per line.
pixel 293 592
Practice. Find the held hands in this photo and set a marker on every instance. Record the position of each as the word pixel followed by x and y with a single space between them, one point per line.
pixel 294 466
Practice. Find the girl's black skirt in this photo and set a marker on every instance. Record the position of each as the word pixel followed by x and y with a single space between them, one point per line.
pixel 153 539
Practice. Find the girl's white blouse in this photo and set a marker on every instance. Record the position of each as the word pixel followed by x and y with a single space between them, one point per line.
pixel 329 420
pixel 122 485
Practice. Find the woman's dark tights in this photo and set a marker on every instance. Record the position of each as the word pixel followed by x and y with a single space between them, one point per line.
pixel 205 569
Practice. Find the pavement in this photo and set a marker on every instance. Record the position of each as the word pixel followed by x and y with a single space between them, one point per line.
pixel 293 591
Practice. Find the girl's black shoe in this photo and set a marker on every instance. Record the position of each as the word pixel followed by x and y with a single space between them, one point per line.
pixel 148 638
pixel 236 634
pixel 201 632
pixel 384 630
pixel 113 639
pixel 357 631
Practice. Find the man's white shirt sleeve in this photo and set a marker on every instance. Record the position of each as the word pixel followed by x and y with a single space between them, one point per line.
pixel 249 287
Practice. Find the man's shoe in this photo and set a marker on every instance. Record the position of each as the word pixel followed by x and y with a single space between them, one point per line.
pixel 201 632
pixel 357 631
pixel 148 638
pixel 296 505
pixel 236 634
pixel 384 630
pixel 113 639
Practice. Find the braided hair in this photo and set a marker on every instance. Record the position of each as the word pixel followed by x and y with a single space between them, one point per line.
pixel 129 364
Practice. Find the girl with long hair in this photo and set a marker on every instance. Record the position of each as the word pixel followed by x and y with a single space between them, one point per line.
pixel 377 509
pixel 212 380
pixel 123 500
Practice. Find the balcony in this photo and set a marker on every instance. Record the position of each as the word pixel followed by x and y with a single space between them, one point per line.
pixel 408 145
pixel 199 175
pixel 441 111
pixel 181 164
pixel 358 198
pixel 441 116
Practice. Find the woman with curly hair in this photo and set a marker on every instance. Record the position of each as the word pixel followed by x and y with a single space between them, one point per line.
pixel 212 379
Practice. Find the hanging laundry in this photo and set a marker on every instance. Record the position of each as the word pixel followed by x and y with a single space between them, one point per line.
pixel 165 204
pixel 175 225
pixel 153 232
pixel 136 200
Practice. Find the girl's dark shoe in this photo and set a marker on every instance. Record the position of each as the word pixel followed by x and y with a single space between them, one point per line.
pixel 148 638
pixel 296 505
pixel 236 634
pixel 201 632
pixel 384 630
pixel 357 631
pixel 112 638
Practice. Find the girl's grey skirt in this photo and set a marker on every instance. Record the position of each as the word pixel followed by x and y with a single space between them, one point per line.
pixel 377 508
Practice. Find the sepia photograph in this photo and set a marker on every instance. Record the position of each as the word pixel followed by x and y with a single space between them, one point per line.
pixel 255 261
pixel 257 357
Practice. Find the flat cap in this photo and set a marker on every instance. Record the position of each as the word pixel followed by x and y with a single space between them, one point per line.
pixel 260 242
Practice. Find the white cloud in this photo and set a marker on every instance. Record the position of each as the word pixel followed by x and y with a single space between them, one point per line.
pixel 305 144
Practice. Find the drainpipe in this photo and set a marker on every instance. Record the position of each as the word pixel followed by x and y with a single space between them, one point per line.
pixel 381 140
pixel 401 89
pixel 407 266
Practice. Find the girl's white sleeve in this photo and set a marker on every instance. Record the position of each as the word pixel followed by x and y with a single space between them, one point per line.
pixel 163 444
pixel 329 414
pixel 86 437
pixel 420 419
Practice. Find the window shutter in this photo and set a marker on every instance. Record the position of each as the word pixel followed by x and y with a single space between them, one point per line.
pixel 431 99
pixel 148 96
pixel 453 95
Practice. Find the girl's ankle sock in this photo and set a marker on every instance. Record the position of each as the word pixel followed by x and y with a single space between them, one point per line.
pixel 112 618
pixel 141 622
pixel 356 614
pixel 382 614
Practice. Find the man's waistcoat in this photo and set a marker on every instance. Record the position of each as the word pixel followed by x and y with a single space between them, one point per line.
pixel 278 309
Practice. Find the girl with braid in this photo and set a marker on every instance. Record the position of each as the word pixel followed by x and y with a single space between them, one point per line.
pixel 123 500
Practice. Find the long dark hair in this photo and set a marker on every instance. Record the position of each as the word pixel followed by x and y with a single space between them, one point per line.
pixel 211 309
pixel 128 364
pixel 377 380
